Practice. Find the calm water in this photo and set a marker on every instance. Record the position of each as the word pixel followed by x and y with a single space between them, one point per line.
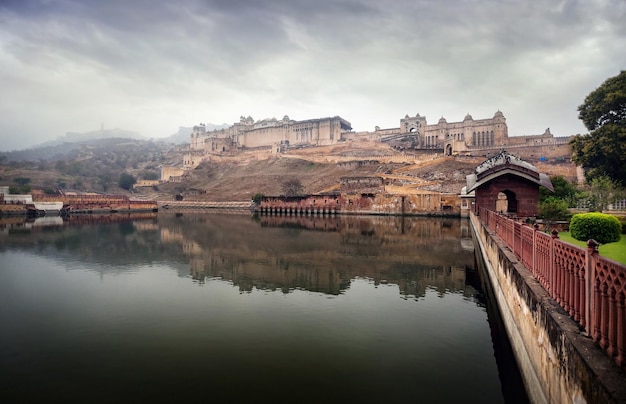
pixel 229 308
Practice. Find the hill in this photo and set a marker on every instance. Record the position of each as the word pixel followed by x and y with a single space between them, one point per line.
pixel 96 166
pixel 320 170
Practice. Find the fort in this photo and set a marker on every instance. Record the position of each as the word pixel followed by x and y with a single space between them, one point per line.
pixel 469 137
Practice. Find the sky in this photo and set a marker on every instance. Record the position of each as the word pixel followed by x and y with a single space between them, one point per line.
pixel 153 66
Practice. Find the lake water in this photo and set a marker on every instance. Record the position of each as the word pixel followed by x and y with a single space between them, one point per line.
pixel 232 308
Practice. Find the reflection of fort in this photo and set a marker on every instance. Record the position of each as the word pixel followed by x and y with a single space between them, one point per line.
pixel 269 253
pixel 324 254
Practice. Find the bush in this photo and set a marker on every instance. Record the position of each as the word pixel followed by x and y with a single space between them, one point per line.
pixel 257 198
pixel 598 226
pixel 552 208
pixel 126 181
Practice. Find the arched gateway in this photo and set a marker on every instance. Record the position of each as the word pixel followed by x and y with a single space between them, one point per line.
pixel 507 184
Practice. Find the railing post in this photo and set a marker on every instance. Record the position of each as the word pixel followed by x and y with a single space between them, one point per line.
pixel 591 255
pixel 553 277
pixel 535 265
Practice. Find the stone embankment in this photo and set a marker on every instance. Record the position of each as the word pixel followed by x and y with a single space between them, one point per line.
pixel 558 362
pixel 176 205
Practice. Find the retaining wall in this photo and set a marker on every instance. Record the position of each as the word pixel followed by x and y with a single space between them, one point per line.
pixel 558 361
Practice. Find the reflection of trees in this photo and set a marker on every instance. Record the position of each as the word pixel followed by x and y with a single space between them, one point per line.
pixel 313 253
pixel 414 253
pixel 114 240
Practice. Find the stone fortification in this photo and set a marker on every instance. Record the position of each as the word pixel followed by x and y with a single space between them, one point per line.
pixel 268 133
pixel 413 139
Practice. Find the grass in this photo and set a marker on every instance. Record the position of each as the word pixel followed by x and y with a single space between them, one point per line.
pixel 615 251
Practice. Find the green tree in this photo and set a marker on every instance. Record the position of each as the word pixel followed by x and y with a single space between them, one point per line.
pixel 603 191
pixel 563 190
pixel 603 149
pixel 292 187
pixel 257 198
pixel 553 208
pixel 127 181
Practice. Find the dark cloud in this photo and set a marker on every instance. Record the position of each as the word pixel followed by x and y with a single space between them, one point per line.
pixel 151 66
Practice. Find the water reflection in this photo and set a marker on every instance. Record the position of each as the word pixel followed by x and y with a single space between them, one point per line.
pixel 268 253
pixel 248 308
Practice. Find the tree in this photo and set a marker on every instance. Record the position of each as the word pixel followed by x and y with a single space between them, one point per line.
pixel 127 181
pixel 603 191
pixel 292 187
pixel 563 190
pixel 257 198
pixel 553 208
pixel 603 149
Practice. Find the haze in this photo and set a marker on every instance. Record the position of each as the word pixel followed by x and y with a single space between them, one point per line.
pixel 153 66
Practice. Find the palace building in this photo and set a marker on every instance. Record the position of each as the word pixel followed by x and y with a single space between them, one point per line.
pixel 467 137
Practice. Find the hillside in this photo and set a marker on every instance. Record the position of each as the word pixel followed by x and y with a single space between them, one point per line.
pixel 96 167
pixel 320 170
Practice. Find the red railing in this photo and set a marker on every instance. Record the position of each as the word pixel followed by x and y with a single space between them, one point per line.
pixel 591 288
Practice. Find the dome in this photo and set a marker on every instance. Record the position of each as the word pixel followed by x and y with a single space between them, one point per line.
pixel 506 163
pixel 442 120
pixel 498 114
pixel 468 117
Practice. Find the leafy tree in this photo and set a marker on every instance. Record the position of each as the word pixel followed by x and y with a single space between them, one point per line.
pixel 257 198
pixel 603 149
pixel 603 191
pixel 553 208
pixel 563 190
pixel 127 181
pixel 292 187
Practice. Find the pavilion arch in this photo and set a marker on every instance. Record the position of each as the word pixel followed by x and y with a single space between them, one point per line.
pixel 506 202
pixel 505 183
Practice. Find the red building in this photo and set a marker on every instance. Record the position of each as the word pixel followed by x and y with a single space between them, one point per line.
pixel 505 183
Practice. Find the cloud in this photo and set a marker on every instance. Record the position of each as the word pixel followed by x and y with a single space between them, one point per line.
pixel 152 66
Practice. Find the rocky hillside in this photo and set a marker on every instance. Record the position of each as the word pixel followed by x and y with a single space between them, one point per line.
pixel 320 170
pixel 97 166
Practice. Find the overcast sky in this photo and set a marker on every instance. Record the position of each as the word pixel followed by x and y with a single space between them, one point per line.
pixel 151 66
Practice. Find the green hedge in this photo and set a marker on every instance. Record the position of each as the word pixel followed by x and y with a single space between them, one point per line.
pixel 598 226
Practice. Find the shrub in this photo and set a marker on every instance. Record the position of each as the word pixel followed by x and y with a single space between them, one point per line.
pixel 257 198
pixel 622 220
pixel 598 226
pixel 126 181
pixel 552 208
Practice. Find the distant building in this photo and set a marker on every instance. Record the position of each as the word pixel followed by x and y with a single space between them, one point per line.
pixel 267 133
pixel 479 137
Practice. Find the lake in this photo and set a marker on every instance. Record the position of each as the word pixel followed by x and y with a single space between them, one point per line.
pixel 234 308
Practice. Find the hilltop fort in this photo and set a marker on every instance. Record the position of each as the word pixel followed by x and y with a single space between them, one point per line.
pixel 468 137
